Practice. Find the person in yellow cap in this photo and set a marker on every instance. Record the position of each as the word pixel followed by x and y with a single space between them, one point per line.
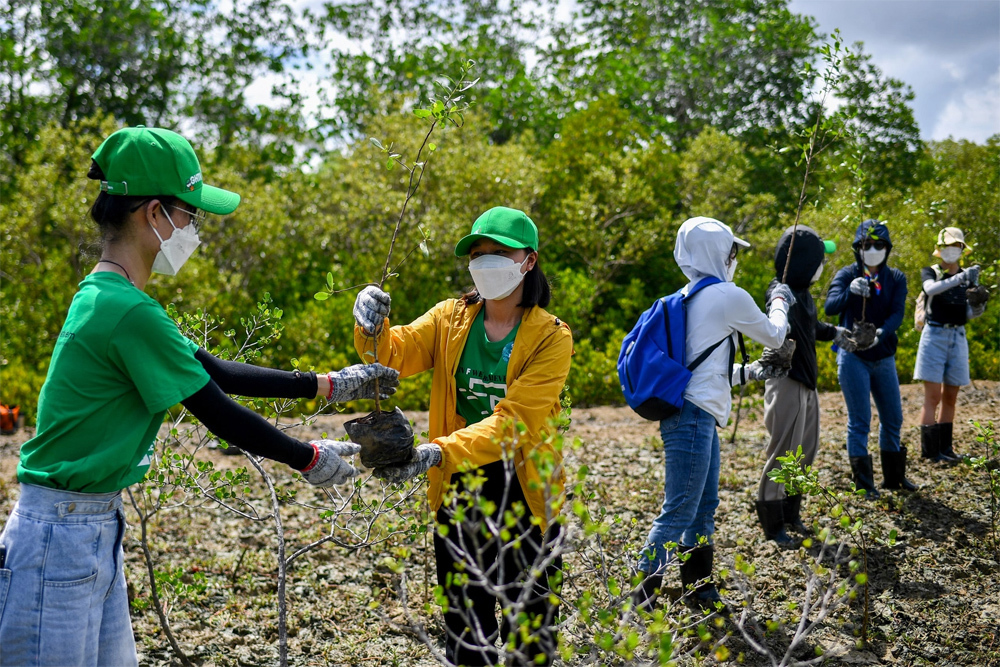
pixel 499 360
pixel 118 364
pixel 943 354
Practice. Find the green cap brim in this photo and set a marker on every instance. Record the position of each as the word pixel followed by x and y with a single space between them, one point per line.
pixel 463 247
pixel 829 247
pixel 212 199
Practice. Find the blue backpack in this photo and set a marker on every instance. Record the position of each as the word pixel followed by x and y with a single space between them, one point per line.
pixel 651 365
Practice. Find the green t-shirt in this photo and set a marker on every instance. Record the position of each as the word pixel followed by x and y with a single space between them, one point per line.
pixel 482 372
pixel 118 364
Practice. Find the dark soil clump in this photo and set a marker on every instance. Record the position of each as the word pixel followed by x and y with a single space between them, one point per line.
pixel 863 334
pixel 386 438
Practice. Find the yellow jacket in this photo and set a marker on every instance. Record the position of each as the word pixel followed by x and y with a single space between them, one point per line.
pixel 536 373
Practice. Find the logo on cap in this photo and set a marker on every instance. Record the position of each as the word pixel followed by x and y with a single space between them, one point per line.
pixel 194 180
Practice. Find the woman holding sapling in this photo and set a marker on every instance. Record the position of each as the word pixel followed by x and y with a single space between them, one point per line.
pixel 871 293
pixel 118 364
pixel 499 362
pixel 943 354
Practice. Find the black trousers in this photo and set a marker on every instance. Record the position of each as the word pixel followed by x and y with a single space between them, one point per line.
pixel 471 619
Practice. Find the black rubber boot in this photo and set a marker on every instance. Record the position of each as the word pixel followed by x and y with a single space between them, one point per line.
pixel 696 577
pixel 793 515
pixel 947 448
pixel 894 471
pixel 864 476
pixel 644 597
pixel 770 513
pixel 930 442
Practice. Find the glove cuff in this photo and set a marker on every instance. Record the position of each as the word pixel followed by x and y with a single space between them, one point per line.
pixel 315 458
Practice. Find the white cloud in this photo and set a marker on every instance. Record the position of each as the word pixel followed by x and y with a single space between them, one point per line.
pixel 975 116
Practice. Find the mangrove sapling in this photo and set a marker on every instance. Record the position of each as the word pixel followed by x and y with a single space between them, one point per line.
pixel 989 464
pixel 179 479
pixel 386 436
pixel 813 141
pixel 802 479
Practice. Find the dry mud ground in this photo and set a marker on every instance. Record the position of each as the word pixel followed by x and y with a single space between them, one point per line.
pixel 935 594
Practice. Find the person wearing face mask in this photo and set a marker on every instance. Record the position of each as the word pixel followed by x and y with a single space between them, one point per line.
pixel 943 354
pixel 870 291
pixel 498 359
pixel 119 363
pixel 791 404
pixel 717 312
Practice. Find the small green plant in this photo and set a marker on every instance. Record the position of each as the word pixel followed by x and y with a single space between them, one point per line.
pixel 989 465
pixel 799 478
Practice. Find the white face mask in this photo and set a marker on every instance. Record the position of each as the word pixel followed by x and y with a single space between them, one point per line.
pixel 177 249
pixel 731 271
pixel 496 277
pixel 950 255
pixel 816 275
pixel 873 257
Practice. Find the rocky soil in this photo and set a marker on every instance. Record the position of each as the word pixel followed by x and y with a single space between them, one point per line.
pixel 934 594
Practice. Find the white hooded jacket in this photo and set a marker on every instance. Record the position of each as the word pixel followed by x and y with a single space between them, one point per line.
pixel 719 311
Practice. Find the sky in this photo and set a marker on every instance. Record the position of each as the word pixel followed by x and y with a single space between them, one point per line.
pixel 948 51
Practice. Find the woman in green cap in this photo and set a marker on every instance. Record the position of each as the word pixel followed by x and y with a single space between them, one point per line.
pixel 499 362
pixel 119 363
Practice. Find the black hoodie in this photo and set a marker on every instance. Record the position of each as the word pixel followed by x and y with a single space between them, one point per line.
pixel 804 328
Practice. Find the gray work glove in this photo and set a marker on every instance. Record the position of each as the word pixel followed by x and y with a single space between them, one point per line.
pixel 358 381
pixel 424 458
pixel 371 308
pixel 971 275
pixel 783 291
pixel 843 340
pixel 759 371
pixel 976 311
pixel 861 287
pixel 328 468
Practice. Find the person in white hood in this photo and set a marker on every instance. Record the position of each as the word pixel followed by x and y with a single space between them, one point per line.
pixel 705 247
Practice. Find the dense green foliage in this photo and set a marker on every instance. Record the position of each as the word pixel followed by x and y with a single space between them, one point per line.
pixel 607 171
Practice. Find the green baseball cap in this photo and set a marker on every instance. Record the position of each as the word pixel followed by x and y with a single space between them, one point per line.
pixel 829 247
pixel 506 226
pixel 150 161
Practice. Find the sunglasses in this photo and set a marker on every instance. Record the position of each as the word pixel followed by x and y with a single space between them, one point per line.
pixel 877 245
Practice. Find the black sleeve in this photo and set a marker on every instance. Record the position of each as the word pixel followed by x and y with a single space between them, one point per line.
pixel 825 331
pixel 253 381
pixel 244 428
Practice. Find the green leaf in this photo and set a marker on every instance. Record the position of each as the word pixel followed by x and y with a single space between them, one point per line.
pixel 321 296
pixel 390 164
pixel 377 144
pixel 422 113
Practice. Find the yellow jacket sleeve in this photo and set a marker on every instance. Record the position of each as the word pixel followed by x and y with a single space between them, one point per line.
pixel 410 348
pixel 532 399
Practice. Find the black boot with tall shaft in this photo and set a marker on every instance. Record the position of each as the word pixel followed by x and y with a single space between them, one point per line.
pixel 696 577
pixel 894 471
pixel 947 446
pixel 864 475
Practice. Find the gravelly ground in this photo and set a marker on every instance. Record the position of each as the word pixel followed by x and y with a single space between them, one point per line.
pixel 935 594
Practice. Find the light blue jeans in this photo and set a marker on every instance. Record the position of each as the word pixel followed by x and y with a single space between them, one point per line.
pixel 691 493
pixel 62 591
pixel 861 381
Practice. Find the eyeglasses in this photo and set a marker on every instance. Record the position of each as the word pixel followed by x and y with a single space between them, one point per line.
pixel 877 245
pixel 197 216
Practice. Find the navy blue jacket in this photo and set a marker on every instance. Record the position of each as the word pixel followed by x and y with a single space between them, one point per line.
pixel 885 307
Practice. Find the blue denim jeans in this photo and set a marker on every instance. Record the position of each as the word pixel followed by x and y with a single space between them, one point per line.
pixel 62 591
pixel 861 381
pixel 691 493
